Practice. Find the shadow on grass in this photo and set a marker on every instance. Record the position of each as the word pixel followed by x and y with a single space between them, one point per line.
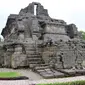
pixel 15 78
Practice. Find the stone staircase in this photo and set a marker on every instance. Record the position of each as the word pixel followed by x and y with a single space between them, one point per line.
pixel 33 58
pixel 46 72
pixel 35 61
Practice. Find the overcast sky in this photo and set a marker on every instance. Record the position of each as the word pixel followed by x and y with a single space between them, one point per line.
pixel 72 11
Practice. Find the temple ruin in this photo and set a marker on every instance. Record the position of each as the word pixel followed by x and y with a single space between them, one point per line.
pixel 50 47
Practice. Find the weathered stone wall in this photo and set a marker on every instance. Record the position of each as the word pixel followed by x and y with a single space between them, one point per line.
pixel 31 40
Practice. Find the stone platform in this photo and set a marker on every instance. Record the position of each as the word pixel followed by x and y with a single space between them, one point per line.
pixel 71 72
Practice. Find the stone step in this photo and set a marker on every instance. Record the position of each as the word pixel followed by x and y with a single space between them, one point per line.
pixel 35 62
pixel 30 45
pixel 46 75
pixel 36 53
pixel 32 53
pixel 35 59
pixel 49 73
pixel 29 48
pixel 71 72
pixel 43 64
pixel 33 49
pixel 42 67
pixel 32 65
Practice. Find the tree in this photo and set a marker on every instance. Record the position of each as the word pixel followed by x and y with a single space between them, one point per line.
pixel 83 34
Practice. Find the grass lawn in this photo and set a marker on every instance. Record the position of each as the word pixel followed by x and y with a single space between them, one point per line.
pixel 9 74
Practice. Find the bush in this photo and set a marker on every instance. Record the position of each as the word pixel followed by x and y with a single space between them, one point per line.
pixel 83 34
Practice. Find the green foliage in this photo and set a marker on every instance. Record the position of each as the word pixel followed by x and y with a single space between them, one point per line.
pixel 83 34
pixel 9 74
pixel 67 83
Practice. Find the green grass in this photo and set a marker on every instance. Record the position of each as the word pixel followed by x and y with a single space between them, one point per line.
pixel 9 74
pixel 66 83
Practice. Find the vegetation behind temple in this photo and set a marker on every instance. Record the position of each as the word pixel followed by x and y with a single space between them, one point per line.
pixel 83 34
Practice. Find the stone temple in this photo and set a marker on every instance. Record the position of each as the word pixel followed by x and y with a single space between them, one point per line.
pixel 50 47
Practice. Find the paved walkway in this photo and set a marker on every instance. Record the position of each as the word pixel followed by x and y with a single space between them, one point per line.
pixel 15 82
pixel 24 72
pixel 44 81
pixel 69 79
pixel 34 78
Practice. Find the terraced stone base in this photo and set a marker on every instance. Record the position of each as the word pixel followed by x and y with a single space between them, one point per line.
pixel 70 72
pixel 47 72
